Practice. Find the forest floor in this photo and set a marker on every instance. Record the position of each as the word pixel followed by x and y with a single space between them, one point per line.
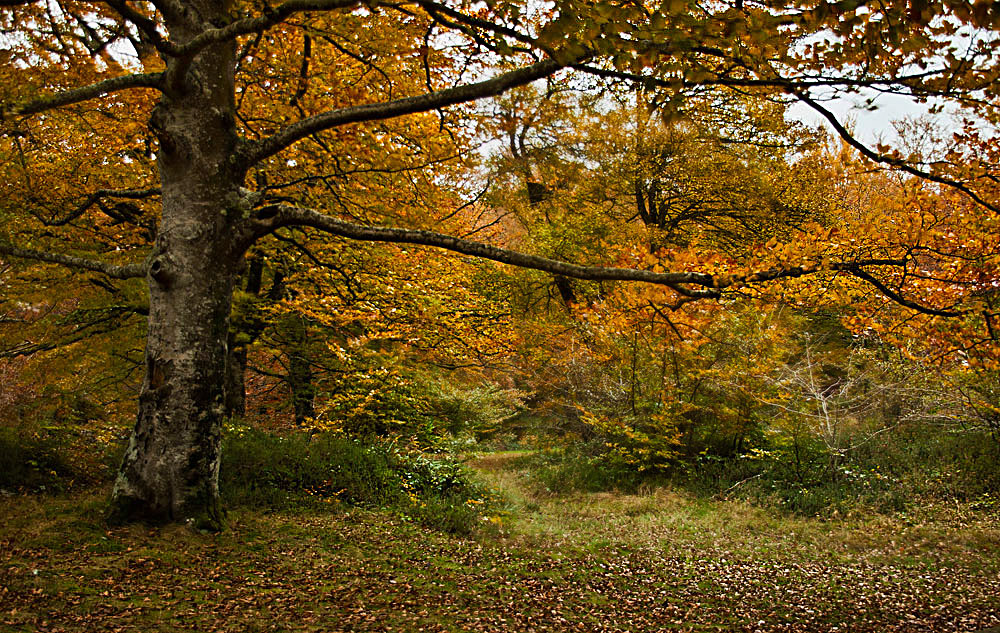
pixel 658 561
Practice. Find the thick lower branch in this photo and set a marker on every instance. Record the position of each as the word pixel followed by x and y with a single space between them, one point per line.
pixel 710 286
pixel 284 215
pixel 129 271
pixel 86 93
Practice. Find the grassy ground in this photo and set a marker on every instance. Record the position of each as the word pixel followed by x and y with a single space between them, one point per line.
pixel 586 562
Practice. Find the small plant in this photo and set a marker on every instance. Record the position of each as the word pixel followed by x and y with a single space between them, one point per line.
pixel 584 468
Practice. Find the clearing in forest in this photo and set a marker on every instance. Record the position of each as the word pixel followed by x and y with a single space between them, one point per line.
pixel 659 561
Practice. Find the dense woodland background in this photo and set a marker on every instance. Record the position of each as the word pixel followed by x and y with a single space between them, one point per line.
pixel 814 395
pixel 837 378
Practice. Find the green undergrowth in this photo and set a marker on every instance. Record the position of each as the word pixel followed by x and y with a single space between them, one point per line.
pixel 302 471
pixel 660 559
pixel 279 472
pixel 33 462
pixel 578 469
pixel 896 475
pixel 665 517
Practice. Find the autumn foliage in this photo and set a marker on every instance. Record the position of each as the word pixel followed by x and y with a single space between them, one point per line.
pixel 243 212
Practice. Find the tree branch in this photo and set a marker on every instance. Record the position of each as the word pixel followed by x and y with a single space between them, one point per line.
pixel 258 24
pixel 796 88
pixel 85 93
pixel 107 320
pixel 129 271
pixel 784 83
pixel 277 216
pixel 145 25
pixel 256 151
pixel 95 197
pixel 479 23
pixel 898 163
pixel 895 296
pixel 274 217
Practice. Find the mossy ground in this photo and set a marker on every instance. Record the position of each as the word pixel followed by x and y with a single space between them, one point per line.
pixel 656 561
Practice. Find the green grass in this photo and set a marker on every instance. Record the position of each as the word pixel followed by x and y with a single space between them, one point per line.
pixel 32 463
pixel 657 560
pixel 905 472
pixel 663 518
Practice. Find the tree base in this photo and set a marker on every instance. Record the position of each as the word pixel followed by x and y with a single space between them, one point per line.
pixel 206 516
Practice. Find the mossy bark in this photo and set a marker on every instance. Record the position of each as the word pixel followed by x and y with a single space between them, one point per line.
pixel 170 469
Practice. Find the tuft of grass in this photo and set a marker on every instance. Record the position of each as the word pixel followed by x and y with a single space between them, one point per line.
pixel 573 469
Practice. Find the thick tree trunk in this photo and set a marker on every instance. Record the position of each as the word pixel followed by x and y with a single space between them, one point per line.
pixel 170 469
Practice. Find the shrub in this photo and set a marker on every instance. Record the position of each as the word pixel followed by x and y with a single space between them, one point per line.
pixel 585 467
pixel 908 466
pixel 451 512
pixel 259 468
pixel 911 465
pixel 285 472
pixel 32 462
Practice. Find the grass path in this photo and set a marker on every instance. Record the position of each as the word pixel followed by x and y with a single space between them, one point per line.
pixel 654 562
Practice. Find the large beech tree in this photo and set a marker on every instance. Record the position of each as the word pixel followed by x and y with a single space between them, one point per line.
pixel 205 98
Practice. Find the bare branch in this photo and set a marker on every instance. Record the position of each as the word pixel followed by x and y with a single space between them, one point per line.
pixel 95 197
pixel 104 320
pixel 258 150
pixel 784 83
pixel 300 92
pixel 145 25
pixel 468 20
pixel 989 325
pixel 85 93
pixel 895 296
pixel 173 9
pixel 278 216
pixel 897 163
pixel 129 271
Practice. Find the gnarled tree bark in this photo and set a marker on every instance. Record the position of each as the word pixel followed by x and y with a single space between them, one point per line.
pixel 170 469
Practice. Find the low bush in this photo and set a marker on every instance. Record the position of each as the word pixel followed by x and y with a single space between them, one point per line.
pixel 33 462
pixel 904 467
pixel 586 467
pixel 901 469
pixel 262 469
pixel 452 512
pixel 300 470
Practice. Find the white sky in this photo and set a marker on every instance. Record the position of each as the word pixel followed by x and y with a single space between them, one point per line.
pixel 869 126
